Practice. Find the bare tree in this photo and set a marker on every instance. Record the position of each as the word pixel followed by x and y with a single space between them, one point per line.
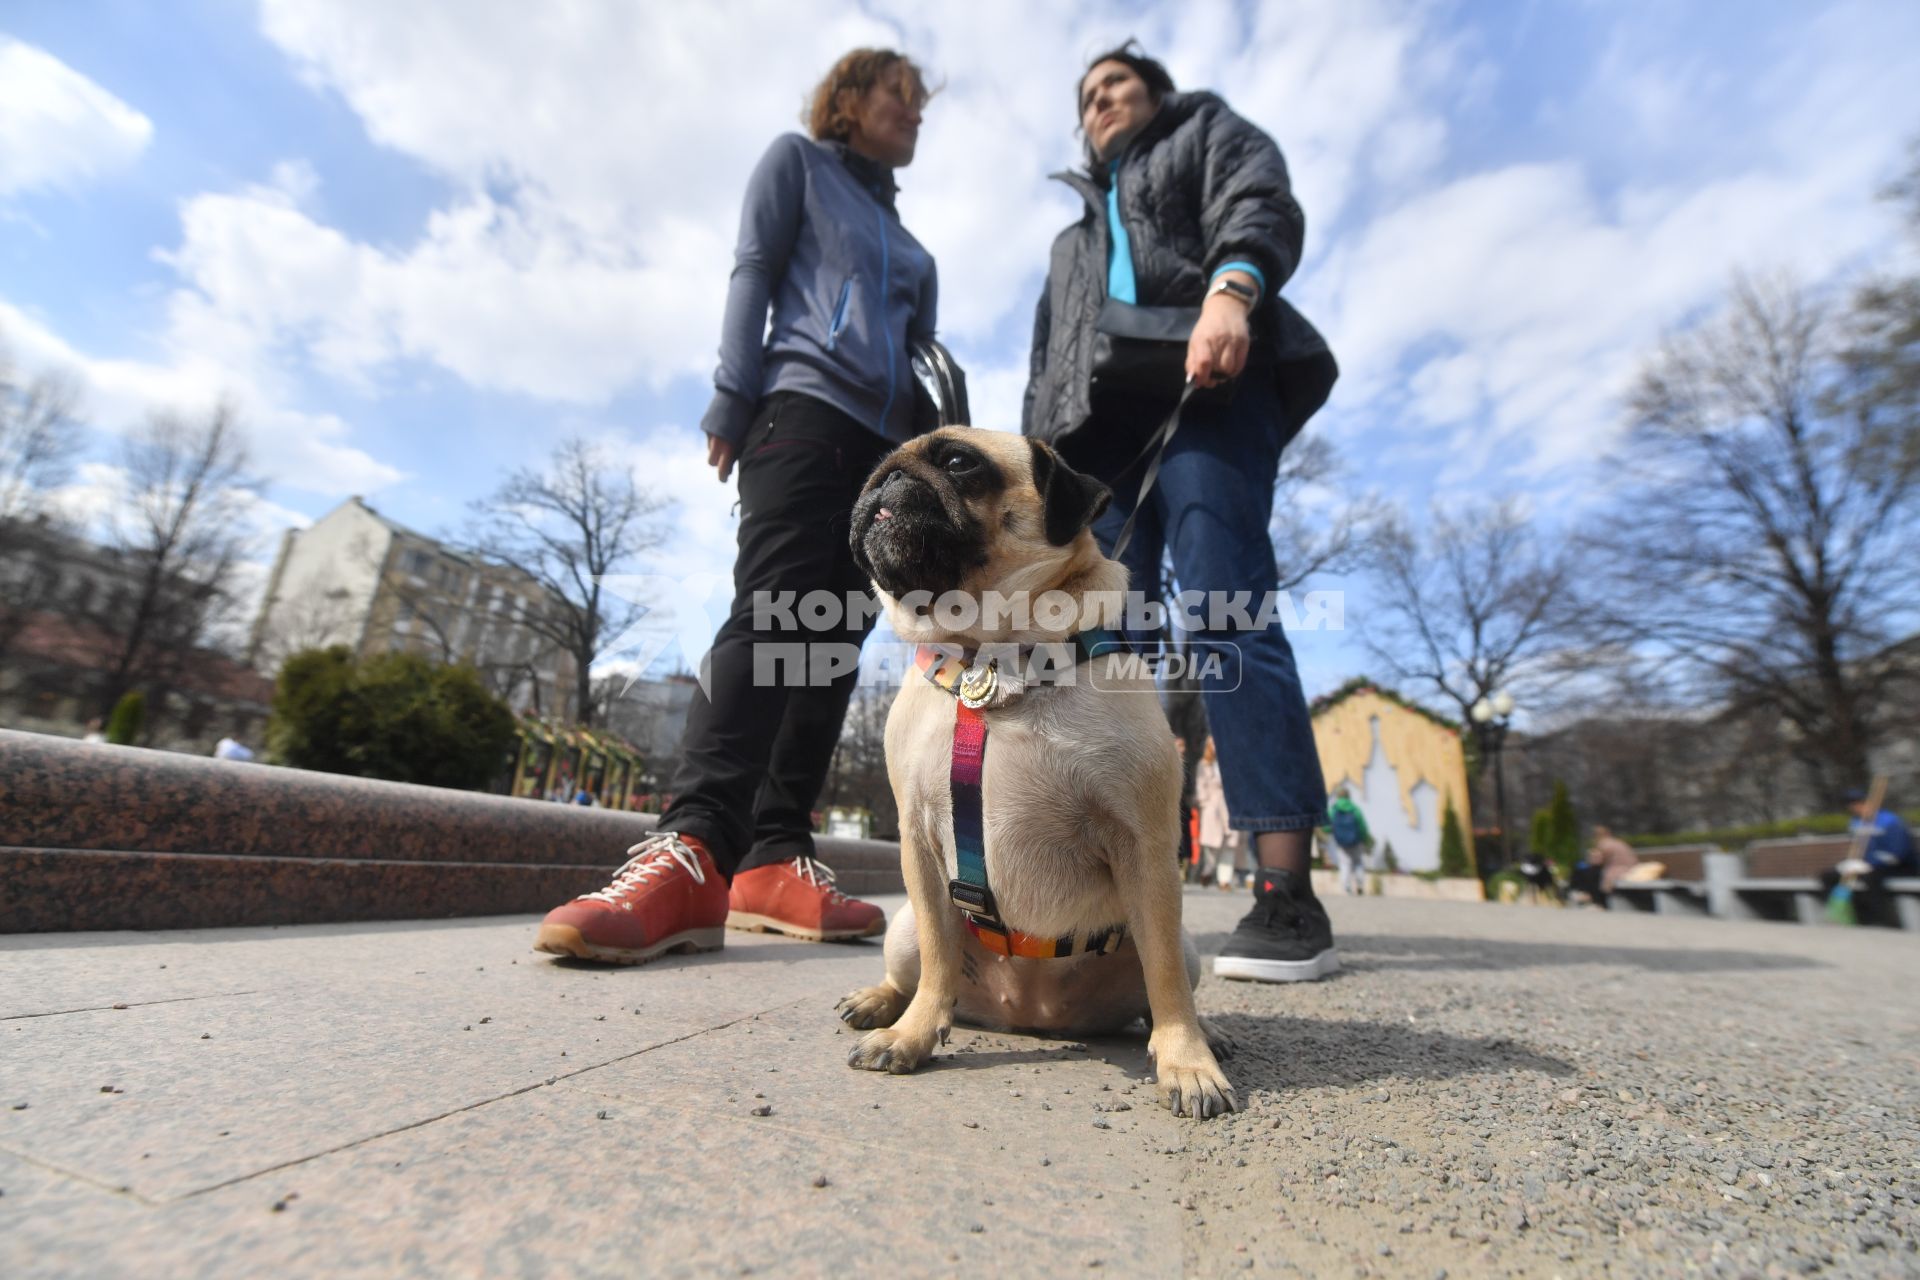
pixel 38 441
pixel 857 777
pixel 1880 359
pixel 1473 606
pixel 1761 553
pixel 180 533
pixel 1318 537
pixel 312 623
pixel 568 528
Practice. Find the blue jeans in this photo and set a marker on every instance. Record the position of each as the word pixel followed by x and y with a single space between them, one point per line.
pixel 1211 506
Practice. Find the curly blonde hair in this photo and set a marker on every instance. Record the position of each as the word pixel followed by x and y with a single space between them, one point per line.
pixel 833 108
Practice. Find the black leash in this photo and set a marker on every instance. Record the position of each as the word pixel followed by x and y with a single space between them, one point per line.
pixel 1157 446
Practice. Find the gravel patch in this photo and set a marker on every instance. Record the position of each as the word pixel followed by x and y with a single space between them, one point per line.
pixel 1520 1091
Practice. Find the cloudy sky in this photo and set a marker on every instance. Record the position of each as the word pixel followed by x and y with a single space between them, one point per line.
pixel 418 243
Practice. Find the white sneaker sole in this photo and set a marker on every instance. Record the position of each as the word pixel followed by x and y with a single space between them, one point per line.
pixel 1251 970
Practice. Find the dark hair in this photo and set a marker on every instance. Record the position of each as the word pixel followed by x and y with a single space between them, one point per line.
pixel 831 107
pixel 1132 55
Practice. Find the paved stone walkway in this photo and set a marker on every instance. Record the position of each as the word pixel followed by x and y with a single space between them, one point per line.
pixel 1485 1090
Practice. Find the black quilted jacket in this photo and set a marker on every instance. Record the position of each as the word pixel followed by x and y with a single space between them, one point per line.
pixel 1198 188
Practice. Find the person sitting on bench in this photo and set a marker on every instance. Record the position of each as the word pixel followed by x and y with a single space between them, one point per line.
pixel 1889 853
pixel 1605 863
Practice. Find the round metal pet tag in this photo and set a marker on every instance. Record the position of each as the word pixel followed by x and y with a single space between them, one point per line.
pixel 977 685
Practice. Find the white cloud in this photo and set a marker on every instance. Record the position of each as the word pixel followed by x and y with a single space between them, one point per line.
pixel 594 158
pixel 1349 90
pixel 58 128
pixel 99 491
pixel 996 395
pixel 1499 316
pixel 305 451
pixel 598 164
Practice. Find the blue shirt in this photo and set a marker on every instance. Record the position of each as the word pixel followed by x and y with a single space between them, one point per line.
pixel 1891 847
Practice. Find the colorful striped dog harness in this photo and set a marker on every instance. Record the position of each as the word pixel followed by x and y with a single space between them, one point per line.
pixel 972 686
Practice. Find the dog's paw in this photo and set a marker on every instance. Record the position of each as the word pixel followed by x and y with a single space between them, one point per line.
pixel 1218 1040
pixel 1200 1092
pixel 877 1006
pixel 1191 1082
pixel 893 1050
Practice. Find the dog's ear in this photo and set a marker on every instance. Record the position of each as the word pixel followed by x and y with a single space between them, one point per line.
pixel 1069 501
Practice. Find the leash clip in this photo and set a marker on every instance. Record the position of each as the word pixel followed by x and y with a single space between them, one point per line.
pixel 977 901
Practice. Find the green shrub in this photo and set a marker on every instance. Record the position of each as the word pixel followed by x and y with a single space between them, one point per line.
pixel 128 718
pixel 1563 831
pixel 1499 878
pixel 398 717
pixel 1454 858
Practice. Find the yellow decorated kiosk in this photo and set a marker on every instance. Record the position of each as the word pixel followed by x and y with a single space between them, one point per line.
pixel 1402 763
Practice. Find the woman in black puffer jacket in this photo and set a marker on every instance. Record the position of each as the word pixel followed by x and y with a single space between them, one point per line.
pixel 1188 206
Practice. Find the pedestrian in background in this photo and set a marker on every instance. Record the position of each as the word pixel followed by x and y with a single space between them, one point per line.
pixel 1606 863
pixel 1220 844
pixel 1888 852
pixel 1351 840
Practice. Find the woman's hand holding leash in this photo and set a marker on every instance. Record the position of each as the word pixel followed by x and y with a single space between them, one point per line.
pixel 1217 351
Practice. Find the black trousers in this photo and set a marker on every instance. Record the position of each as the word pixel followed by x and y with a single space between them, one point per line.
pixel 1588 880
pixel 756 750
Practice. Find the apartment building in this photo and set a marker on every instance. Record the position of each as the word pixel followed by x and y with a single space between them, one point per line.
pixel 358 578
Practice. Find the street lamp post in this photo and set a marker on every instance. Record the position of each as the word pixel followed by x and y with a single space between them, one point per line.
pixel 1491 717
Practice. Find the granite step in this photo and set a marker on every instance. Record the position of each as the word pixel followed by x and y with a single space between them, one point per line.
pixel 94 836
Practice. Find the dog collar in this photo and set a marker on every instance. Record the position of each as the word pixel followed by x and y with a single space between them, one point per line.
pixel 972 686
pixel 1031 946
pixel 960 673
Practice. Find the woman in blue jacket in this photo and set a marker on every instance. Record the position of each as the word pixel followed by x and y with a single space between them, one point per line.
pixel 805 407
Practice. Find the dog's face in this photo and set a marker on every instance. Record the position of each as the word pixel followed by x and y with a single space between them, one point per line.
pixel 968 510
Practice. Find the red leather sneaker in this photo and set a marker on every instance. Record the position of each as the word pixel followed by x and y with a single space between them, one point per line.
pixel 797 897
pixel 668 897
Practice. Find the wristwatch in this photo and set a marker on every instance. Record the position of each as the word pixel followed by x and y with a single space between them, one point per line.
pixel 1244 293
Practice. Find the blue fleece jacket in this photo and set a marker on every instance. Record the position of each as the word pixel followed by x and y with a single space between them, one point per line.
pixel 1890 847
pixel 849 286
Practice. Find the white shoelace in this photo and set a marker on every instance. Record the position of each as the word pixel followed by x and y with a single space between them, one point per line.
pixel 818 873
pixel 652 856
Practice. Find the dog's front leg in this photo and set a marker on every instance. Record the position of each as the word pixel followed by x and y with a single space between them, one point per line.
pixel 1189 1076
pixel 929 1015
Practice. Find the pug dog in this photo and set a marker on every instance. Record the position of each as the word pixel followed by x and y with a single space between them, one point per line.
pixel 1079 786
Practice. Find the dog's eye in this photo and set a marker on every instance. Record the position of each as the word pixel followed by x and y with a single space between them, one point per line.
pixel 959 462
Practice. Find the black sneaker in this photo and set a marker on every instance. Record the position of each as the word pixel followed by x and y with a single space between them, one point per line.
pixel 1285 938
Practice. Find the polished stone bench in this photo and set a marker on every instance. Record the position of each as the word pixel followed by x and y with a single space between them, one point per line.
pixel 1780 879
pixel 1681 888
pixel 94 836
